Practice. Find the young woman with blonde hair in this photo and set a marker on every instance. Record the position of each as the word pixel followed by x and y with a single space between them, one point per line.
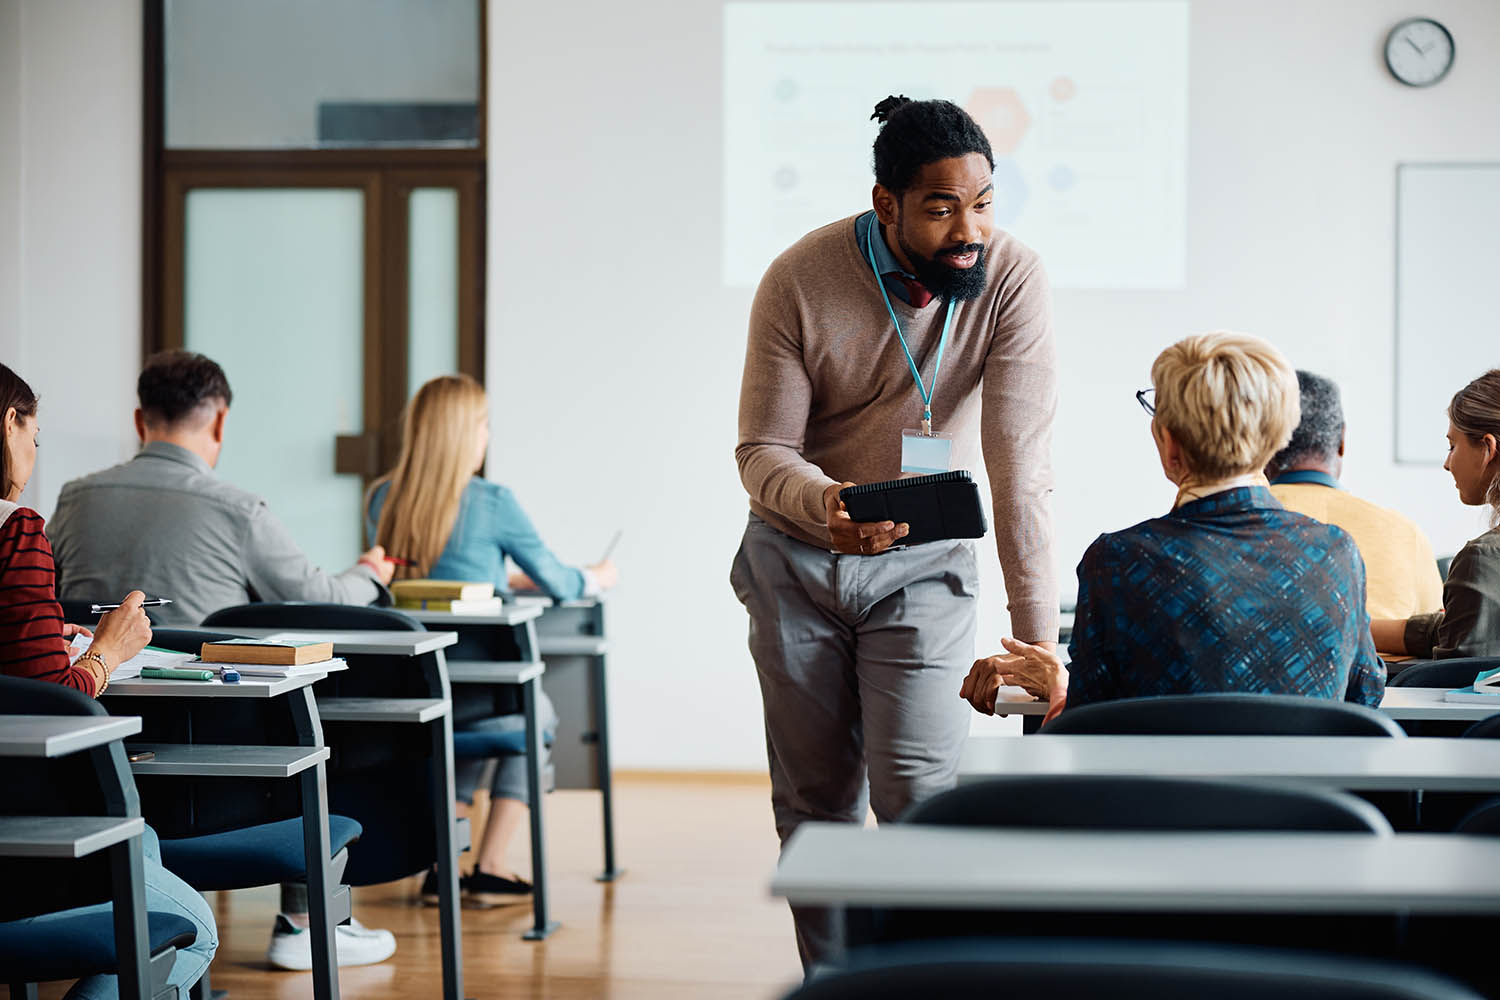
pixel 433 510
pixel 1228 591
pixel 1469 624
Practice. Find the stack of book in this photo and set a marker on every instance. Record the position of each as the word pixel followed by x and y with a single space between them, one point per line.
pixel 1485 690
pixel 454 596
pixel 267 658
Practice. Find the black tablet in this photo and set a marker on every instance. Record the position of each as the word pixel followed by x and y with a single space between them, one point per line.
pixel 944 505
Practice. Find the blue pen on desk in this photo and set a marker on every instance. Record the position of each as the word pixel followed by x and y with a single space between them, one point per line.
pixel 229 676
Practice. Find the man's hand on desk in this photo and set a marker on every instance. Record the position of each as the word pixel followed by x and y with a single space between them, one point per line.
pixel 1036 667
pixel 858 538
pixel 378 564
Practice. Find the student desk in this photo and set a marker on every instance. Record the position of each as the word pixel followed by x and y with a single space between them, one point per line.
pixel 572 637
pixel 1360 763
pixel 499 650
pixel 51 736
pixel 328 904
pixel 933 867
pixel 1403 703
pixel 434 710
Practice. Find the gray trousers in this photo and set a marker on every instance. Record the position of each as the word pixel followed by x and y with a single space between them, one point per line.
pixel 860 661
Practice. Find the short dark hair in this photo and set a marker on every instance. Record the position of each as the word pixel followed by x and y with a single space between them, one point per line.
pixel 174 384
pixel 916 133
pixel 13 392
pixel 1321 429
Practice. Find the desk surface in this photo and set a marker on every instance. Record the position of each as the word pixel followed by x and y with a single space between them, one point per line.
pixel 59 735
pixel 64 836
pixel 544 602
pixel 206 760
pixel 1428 703
pixel 494 671
pixel 403 710
pixel 1366 763
pixel 836 863
pixel 508 616
pixel 376 641
pixel 249 687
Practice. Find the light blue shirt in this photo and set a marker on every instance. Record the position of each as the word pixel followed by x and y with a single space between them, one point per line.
pixel 490 526
pixel 885 261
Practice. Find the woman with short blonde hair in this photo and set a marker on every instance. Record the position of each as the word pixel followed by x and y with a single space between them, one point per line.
pixel 1228 591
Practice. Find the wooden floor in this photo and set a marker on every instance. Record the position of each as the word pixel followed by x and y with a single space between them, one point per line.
pixel 692 916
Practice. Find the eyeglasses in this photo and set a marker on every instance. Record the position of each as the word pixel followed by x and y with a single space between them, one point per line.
pixel 1147 399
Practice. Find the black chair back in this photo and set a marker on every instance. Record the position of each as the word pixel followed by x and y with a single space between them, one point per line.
pixel 1086 970
pixel 378 774
pixel 91 783
pixel 1224 714
pixel 1071 803
pixel 302 614
pixel 1458 672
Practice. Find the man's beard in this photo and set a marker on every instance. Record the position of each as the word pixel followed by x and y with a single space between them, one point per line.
pixel 960 283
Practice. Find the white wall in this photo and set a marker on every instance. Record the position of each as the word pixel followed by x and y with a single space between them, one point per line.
pixel 70 181
pixel 615 353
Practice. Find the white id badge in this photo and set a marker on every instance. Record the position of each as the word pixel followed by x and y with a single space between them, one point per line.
pixel 925 454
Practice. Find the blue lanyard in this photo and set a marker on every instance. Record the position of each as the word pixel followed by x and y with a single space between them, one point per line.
pixel 916 374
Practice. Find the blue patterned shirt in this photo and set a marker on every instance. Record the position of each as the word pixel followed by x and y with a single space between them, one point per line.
pixel 1232 592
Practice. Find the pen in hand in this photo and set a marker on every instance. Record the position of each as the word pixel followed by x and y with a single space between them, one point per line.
pixel 155 602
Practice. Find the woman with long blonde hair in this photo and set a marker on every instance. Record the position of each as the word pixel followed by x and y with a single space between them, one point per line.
pixel 434 511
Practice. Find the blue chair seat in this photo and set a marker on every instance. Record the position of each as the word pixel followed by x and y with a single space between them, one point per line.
pixel 251 856
pixel 66 947
pixel 484 743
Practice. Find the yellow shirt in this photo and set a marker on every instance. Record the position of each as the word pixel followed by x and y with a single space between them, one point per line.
pixel 1401 576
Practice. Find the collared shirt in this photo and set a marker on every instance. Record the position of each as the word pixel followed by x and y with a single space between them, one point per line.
pixel 1230 593
pixel 163 523
pixel 1401 575
pixel 885 261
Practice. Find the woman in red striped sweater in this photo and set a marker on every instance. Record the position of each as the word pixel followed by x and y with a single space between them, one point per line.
pixel 34 643
pixel 33 638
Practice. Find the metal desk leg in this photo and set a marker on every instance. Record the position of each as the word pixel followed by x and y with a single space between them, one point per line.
pixel 541 926
pixel 447 860
pixel 316 850
pixel 127 872
pixel 597 676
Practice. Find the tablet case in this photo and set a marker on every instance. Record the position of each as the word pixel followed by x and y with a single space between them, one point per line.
pixel 945 505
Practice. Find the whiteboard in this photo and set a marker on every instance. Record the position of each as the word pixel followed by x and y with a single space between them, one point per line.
pixel 1447 295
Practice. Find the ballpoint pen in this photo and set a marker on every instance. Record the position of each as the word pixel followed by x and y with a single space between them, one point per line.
pixel 155 602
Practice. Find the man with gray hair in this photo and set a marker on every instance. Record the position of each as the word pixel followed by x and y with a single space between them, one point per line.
pixel 1400 573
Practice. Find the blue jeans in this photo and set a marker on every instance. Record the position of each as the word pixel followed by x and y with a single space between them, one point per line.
pixel 509 781
pixel 165 893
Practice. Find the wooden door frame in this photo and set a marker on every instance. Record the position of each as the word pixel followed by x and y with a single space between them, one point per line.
pixel 385 176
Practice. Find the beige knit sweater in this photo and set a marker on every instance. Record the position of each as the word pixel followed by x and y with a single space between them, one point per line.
pixel 827 392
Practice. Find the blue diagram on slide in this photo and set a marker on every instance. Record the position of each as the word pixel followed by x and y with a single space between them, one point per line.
pixel 1011 193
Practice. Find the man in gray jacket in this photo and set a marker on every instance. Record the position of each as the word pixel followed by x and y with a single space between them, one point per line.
pixel 164 523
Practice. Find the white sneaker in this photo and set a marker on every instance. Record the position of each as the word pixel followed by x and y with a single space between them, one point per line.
pixel 356 944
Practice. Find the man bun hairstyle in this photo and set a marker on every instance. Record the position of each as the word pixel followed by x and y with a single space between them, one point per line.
pixel 1321 428
pixel 176 385
pixel 14 392
pixel 916 133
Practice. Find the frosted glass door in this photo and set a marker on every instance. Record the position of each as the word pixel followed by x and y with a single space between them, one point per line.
pixel 432 302
pixel 273 290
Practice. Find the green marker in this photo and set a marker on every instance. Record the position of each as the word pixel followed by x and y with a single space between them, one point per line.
pixel 176 674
